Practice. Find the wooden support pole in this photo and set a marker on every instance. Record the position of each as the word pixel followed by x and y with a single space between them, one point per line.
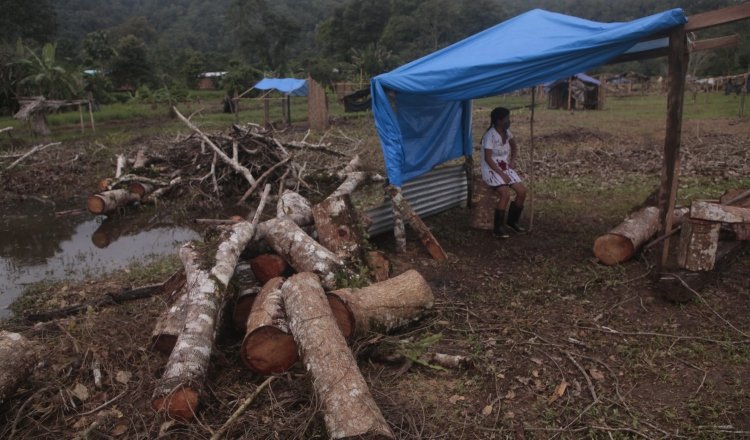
pixel 678 61
pixel 531 160
pixel 425 236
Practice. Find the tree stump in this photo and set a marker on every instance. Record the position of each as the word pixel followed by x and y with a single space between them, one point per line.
pixel 268 346
pixel 19 359
pixel 699 241
pixel 384 306
pixel 349 411
pixel 484 201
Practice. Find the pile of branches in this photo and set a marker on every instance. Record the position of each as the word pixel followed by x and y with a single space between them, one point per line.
pixel 213 169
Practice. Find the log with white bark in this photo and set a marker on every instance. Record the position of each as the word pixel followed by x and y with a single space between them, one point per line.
pixel 121 164
pixel 624 240
pixel 296 207
pixel 412 218
pixel 169 324
pixel 179 388
pixel 349 411
pixel 141 160
pixel 302 252
pixel 384 306
pixel 338 228
pixel 248 287
pixel 268 346
pixel 109 201
pixel 19 358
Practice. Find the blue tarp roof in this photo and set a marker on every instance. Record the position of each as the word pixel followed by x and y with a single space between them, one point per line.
pixel 582 76
pixel 422 109
pixel 287 86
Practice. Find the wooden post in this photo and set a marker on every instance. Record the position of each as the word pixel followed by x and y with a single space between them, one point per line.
pixel 531 160
pixel 425 235
pixel 317 106
pixel 266 111
pixel 80 113
pixel 91 117
pixel 288 101
pixel 678 60
pixel 570 90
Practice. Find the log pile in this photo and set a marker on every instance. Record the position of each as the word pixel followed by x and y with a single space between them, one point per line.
pixel 309 316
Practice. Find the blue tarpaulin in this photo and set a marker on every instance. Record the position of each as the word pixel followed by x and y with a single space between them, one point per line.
pixel 287 86
pixel 422 109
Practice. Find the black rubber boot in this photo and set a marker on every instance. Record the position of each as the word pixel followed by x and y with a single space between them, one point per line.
pixel 514 213
pixel 499 230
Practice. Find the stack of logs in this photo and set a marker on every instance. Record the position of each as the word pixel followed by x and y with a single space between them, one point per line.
pixel 288 304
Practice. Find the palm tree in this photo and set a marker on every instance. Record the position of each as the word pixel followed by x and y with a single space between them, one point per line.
pixel 43 76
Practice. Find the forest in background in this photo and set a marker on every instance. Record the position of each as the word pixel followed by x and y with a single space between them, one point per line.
pixel 149 46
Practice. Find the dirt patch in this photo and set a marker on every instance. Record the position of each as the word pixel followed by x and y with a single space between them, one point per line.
pixel 560 346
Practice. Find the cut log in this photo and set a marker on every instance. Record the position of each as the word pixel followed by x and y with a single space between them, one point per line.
pixel 179 388
pixel 716 212
pixel 104 184
pixel 141 161
pixel 624 240
pixel 699 242
pixel 140 188
pixel 268 346
pixel 19 358
pixel 108 201
pixel 349 410
pixel 338 228
pixel 248 287
pixel 296 207
pixel 302 252
pixel 384 306
pixel 738 197
pixel 268 266
pixel 425 236
pixel 169 325
pixel 483 203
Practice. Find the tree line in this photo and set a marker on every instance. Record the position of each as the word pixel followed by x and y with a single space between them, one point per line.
pixel 65 48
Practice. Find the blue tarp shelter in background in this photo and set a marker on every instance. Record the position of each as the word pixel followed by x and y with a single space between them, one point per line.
pixel 422 109
pixel 287 86
pixel 582 76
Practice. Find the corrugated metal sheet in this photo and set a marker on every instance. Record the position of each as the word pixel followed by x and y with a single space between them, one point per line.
pixel 431 193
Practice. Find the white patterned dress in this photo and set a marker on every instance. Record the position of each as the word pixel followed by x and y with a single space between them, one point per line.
pixel 501 156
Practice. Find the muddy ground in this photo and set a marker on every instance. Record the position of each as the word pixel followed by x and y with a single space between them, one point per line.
pixel 559 345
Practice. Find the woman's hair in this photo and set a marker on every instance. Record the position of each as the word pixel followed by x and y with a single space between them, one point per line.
pixel 497 114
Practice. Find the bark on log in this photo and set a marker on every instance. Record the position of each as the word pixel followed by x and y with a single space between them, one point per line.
pixel 399 230
pixel 268 266
pixel 338 228
pixel 19 358
pixel 268 346
pixel 140 160
pixel 179 388
pixel 425 236
pixel 384 306
pixel 699 242
pixel 624 240
pixel 109 201
pixel 348 407
pixel 296 207
pixel 248 287
pixel 169 325
pixel 302 252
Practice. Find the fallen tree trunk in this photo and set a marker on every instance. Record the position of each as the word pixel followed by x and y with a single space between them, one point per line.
pixel 302 252
pixel 349 410
pixel 169 325
pixel 179 388
pixel 19 358
pixel 624 240
pixel 382 307
pixel 248 287
pixel 108 201
pixel 268 346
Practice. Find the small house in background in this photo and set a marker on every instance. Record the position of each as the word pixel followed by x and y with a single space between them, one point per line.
pixel 584 93
pixel 210 80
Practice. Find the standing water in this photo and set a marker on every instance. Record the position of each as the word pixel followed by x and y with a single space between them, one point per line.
pixel 35 246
